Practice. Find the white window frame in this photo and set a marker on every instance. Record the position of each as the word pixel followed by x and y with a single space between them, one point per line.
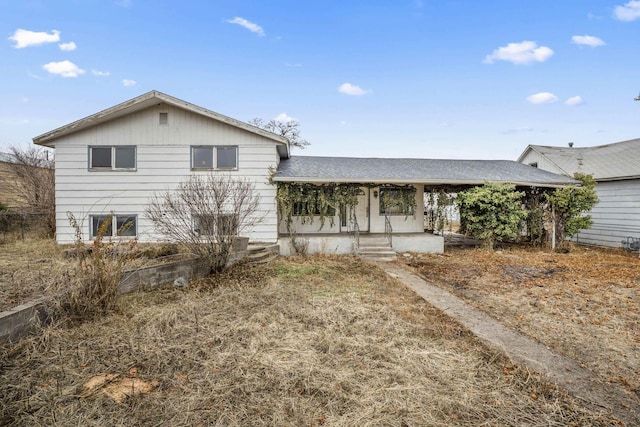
pixel 93 231
pixel 113 167
pixel 215 222
pixel 214 157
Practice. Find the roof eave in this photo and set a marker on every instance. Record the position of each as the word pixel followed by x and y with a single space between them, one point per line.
pixel 418 181
pixel 144 101
pixel 525 152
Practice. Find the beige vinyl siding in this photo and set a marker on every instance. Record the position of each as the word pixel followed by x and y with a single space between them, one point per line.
pixel 616 216
pixel 163 161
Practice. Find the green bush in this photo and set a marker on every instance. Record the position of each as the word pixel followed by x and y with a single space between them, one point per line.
pixel 569 205
pixel 492 213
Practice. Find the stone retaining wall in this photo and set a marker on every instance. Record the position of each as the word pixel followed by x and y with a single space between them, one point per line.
pixel 20 320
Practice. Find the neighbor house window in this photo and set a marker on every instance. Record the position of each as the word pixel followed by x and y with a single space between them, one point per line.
pixel 394 201
pixel 214 157
pixel 211 225
pixel 164 118
pixel 110 157
pixel 312 204
pixel 114 225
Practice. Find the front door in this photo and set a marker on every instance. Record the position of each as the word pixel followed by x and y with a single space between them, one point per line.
pixel 360 213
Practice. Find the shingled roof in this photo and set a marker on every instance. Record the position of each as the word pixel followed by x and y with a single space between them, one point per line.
pixel 620 160
pixel 414 171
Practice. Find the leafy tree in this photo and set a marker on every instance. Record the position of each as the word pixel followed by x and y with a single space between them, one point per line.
pixel 492 213
pixel 205 214
pixel 570 204
pixel 290 129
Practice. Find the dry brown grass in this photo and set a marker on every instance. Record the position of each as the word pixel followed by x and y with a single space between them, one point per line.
pixel 303 341
pixel 34 268
pixel 26 268
pixel 583 304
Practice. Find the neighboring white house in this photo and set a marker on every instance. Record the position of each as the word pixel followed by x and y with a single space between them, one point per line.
pixel 113 162
pixel 616 168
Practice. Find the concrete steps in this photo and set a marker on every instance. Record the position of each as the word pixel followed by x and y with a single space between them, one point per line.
pixel 375 249
pixel 259 253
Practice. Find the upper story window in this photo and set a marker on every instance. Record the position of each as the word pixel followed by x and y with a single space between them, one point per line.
pixel 214 157
pixel 112 157
pixel 163 118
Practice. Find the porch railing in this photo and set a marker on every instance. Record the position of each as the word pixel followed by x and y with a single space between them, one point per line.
pixel 356 232
pixel 388 230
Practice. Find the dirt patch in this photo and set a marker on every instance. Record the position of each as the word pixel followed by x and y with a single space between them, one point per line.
pixel 582 304
pixel 303 341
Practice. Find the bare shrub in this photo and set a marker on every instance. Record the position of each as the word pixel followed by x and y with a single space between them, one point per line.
pixel 205 214
pixel 300 245
pixel 33 170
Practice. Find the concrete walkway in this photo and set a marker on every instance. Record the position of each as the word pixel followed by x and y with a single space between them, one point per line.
pixel 579 382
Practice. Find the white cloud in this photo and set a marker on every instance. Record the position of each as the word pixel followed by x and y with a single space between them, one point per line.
pixel 67 47
pixel 520 53
pixel 100 73
pixel 63 68
pixel 542 98
pixel 628 12
pixel 26 38
pixel 283 118
pixel 254 28
pixel 574 100
pixel 588 40
pixel 349 89
pixel 128 82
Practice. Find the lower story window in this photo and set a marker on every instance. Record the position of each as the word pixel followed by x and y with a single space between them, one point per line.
pixel 211 225
pixel 395 201
pixel 311 205
pixel 114 225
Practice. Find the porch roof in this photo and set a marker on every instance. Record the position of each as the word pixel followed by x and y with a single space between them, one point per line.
pixel 414 171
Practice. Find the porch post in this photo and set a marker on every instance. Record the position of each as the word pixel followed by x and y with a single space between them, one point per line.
pixel 553 232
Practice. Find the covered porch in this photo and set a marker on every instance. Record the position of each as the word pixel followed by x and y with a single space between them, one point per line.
pixel 339 205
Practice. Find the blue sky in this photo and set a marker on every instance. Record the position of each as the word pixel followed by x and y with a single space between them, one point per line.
pixel 427 79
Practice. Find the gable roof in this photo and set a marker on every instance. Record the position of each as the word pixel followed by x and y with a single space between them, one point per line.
pixel 145 101
pixel 620 160
pixel 416 171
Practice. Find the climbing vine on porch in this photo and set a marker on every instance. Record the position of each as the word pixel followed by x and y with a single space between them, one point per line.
pixel 398 199
pixel 439 203
pixel 310 202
